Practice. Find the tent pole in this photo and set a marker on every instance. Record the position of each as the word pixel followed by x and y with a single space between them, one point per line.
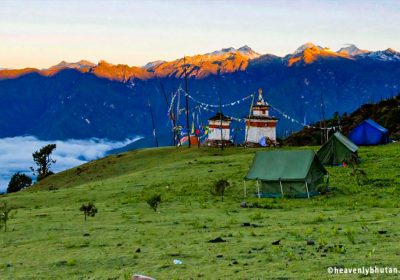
pixel 308 194
pixel 258 190
pixel 244 185
pixel 280 183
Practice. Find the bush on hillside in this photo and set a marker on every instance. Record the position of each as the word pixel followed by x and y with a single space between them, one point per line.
pixel 153 201
pixel 89 210
pixel 18 182
pixel 219 187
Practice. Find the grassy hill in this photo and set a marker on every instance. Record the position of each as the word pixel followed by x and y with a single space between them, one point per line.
pixel 49 239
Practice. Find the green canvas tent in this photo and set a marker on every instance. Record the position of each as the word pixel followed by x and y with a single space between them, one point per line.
pixel 337 150
pixel 295 173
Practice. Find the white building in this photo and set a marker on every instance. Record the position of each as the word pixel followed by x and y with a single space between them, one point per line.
pixel 219 130
pixel 260 124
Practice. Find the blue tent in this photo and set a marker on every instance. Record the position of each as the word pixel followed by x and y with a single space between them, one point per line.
pixel 369 133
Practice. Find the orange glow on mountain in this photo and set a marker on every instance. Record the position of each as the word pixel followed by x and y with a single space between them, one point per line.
pixel 119 72
pixel 312 53
pixel 198 66
pixel 15 73
pixel 223 61
pixel 293 60
pixel 201 66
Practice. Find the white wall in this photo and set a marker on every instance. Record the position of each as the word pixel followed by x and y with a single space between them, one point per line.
pixel 255 134
pixel 215 134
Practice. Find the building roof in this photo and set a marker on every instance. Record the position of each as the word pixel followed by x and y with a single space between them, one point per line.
pixel 218 116
pixel 291 165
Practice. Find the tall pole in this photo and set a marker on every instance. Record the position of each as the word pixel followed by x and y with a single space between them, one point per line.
pixel 248 123
pixel 322 121
pixel 187 101
pixel 220 119
pixel 152 122
pixel 171 115
pixel 178 105
pixel 198 127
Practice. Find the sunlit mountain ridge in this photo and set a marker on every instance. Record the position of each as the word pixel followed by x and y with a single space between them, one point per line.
pixel 199 66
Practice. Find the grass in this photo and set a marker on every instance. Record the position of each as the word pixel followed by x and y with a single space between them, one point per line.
pixel 49 239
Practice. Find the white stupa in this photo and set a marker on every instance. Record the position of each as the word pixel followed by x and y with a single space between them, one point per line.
pixel 260 124
pixel 219 131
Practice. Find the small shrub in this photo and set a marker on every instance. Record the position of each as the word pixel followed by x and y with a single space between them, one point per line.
pixel 153 201
pixel 350 235
pixel 71 262
pixel 370 253
pixel 219 188
pixel 257 216
pixel 322 241
pixel 340 249
pixel 4 215
pixel 358 173
pixel 88 210
pixel 319 218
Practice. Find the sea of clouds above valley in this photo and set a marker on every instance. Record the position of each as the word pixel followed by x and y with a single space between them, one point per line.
pixel 16 154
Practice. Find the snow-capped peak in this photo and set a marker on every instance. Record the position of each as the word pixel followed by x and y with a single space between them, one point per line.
pixel 153 64
pixel 305 46
pixel 386 55
pixel 351 50
pixel 81 64
pixel 245 50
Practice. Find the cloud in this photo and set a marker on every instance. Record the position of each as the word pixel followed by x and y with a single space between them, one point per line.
pixel 16 154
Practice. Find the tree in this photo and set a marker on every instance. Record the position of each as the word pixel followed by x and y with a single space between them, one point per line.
pixel 88 210
pixel 4 216
pixel 43 160
pixel 153 201
pixel 336 116
pixel 219 188
pixel 18 182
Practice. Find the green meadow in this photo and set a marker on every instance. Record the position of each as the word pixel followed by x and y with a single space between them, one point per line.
pixel 356 224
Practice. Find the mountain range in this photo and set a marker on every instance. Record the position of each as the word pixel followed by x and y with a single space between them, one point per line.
pixel 84 99
pixel 224 61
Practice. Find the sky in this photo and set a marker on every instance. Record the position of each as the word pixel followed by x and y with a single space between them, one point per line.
pixel 39 34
